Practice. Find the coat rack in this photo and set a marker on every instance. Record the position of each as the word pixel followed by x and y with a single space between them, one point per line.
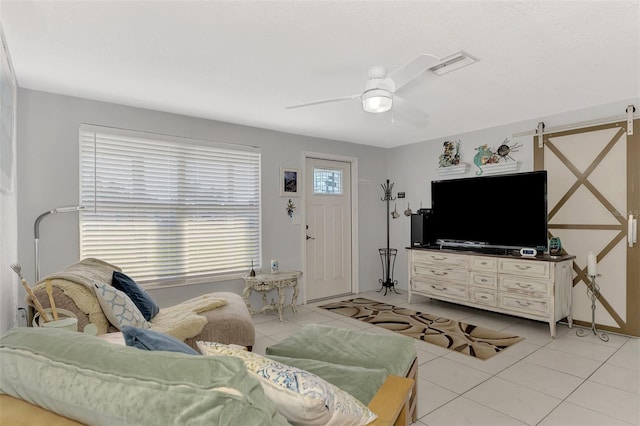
pixel 387 255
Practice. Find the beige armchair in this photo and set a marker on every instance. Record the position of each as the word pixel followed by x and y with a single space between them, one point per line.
pixel 189 321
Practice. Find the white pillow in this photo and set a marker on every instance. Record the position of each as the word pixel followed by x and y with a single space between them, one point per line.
pixel 118 307
pixel 301 397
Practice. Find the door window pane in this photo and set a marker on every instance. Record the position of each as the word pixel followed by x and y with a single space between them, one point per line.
pixel 327 181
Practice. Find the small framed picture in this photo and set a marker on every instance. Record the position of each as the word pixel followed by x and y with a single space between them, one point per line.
pixel 290 182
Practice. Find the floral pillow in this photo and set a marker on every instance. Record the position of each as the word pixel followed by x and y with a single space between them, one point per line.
pixel 118 307
pixel 301 397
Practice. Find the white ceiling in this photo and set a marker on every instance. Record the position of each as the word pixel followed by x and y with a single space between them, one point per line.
pixel 244 61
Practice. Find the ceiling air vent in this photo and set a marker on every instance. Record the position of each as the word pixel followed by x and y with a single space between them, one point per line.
pixel 453 62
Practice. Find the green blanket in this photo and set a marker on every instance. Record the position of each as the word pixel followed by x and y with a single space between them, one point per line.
pixel 346 347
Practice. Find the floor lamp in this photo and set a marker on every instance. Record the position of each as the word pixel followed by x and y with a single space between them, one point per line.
pixel 36 231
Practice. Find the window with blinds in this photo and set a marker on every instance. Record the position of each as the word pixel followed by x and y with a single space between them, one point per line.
pixel 169 210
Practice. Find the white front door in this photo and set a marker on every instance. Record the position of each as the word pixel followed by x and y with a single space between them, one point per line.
pixel 328 223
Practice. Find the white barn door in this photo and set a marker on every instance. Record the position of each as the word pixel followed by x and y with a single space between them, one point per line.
pixel 593 187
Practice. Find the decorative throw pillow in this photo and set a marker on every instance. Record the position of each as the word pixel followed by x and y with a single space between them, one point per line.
pixel 301 397
pixel 118 308
pixel 141 298
pixel 151 340
pixel 360 382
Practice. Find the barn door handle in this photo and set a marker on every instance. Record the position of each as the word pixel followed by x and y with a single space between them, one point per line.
pixel 632 231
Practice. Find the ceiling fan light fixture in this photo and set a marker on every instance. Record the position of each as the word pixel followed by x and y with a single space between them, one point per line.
pixel 377 100
pixel 453 62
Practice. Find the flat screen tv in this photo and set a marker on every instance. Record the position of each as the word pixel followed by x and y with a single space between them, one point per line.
pixel 499 211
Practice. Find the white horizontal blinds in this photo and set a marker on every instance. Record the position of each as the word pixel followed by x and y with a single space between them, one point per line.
pixel 168 211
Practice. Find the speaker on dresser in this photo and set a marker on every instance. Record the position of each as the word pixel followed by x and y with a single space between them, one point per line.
pixel 422 228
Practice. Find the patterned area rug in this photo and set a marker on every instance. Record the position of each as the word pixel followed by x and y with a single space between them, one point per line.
pixel 457 336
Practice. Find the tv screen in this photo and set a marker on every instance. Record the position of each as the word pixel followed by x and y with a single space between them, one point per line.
pixel 499 211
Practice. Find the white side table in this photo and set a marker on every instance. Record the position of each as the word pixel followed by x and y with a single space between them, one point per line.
pixel 267 281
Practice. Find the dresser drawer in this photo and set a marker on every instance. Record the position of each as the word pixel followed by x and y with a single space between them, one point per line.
pixel 440 259
pixel 441 289
pixel 538 307
pixel 484 263
pixel 529 268
pixel 513 284
pixel 453 274
pixel 483 297
pixel 484 280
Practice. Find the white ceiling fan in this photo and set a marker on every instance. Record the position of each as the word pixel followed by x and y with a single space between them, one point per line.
pixel 380 91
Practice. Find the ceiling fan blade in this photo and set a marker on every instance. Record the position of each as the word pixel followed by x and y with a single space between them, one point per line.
pixel 414 68
pixel 407 110
pixel 326 101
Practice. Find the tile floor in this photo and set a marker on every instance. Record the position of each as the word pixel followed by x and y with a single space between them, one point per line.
pixel 542 381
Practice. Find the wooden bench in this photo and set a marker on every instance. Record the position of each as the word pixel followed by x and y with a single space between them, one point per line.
pixel 392 403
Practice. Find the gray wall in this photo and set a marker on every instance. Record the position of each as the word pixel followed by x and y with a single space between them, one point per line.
pixel 413 167
pixel 48 176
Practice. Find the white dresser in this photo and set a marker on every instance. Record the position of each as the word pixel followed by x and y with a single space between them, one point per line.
pixel 537 288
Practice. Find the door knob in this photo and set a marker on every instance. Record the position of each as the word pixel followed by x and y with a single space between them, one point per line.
pixel 310 238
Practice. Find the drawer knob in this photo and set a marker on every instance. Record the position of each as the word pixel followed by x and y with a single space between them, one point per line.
pixel 439 288
pixel 438 273
pixel 523 268
pixel 483 263
pixel 483 280
pixel 438 258
pixel 521 285
pixel 521 303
